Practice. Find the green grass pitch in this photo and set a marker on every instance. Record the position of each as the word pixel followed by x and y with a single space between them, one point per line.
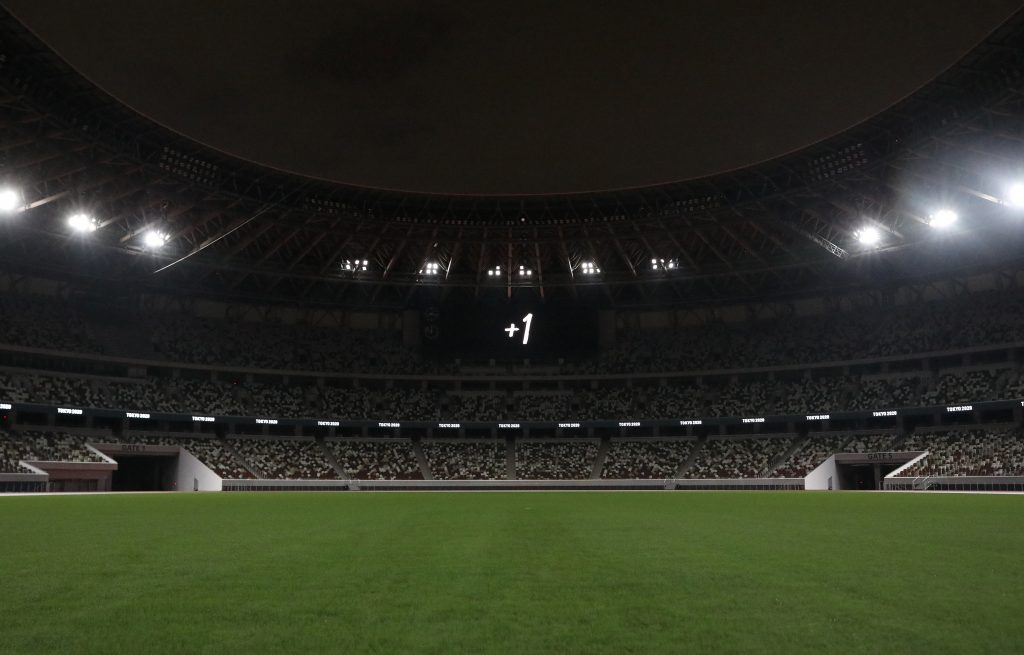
pixel 590 573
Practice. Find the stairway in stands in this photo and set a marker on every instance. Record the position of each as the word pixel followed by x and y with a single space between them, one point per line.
pixel 602 454
pixel 797 444
pixel 694 453
pixel 422 459
pixel 901 438
pixel 333 461
pixel 258 474
pixel 510 459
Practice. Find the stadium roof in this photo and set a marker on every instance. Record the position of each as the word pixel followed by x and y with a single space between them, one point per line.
pixel 233 228
pixel 509 97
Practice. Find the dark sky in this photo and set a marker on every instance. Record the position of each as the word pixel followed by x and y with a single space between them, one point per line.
pixel 510 97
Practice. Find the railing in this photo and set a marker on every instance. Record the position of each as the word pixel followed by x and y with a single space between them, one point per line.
pixel 956 483
pixel 742 484
pixel 517 375
pixel 790 484
pixel 507 426
pixel 32 480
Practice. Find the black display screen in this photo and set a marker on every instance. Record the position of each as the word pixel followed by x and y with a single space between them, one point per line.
pixel 511 332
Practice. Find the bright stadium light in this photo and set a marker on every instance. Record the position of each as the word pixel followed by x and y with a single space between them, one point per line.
pixel 660 264
pixel 494 272
pixel 868 235
pixel 353 265
pixel 943 218
pixel 1015 196
pixel 525 272
pixel 10 200
pixel 154 239
pixel 430 268
pixel 82 223
pixel 589 268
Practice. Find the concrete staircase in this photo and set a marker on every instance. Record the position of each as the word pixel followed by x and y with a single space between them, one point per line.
pixel 422 459
pixel 797 444
pixel 688 464
pixel 230 447
pixel 510 459
pixel 897 443
pixel 602 454
pixel 332 460
pixel 846 442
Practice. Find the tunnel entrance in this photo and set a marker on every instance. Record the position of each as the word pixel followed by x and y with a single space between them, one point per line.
pixel 866 471
pixel 142 467
pixel 144 473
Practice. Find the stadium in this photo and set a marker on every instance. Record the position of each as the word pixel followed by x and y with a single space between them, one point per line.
pixel 847 317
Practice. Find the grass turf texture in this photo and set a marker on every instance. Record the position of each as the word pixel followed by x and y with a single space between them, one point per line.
pixel 512 573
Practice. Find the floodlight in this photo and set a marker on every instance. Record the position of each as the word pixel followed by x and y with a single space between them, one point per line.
pixel 82 223
pixel 154 239
pixel 943 218
pixel 1015 196
pixel 869 235
pixel 10 200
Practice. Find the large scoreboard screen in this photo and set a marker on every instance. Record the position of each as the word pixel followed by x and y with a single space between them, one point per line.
pixel 510 331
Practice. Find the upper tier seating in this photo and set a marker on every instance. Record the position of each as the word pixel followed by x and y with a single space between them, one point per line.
pixel 977 319
pixel 756 397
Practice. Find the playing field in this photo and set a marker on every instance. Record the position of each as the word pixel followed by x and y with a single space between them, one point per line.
pixel 512 573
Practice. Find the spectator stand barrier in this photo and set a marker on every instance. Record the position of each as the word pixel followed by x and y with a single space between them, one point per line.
pixel 33 480
pixel 741 484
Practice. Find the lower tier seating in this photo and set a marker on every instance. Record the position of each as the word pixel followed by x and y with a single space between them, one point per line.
pixel 731 458
pixel 285 459
pixel 392 459
pixel 560 460
pixel 968 452
pixel 646 460
pixel 957 452
pixel 466 460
